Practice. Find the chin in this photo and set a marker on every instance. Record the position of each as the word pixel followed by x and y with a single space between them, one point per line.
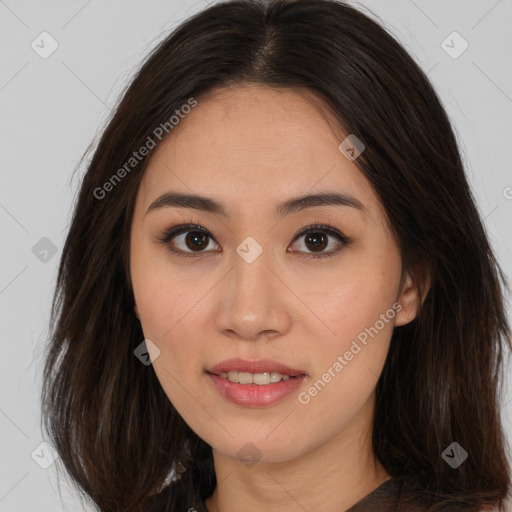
pixel 259 450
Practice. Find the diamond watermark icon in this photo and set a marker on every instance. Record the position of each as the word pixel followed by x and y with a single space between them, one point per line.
pixel 44 45
pixel 249 249
pixel 454 45
pixel 455 455
pixel 44 250
pixel 249 453
pixel 147 352
pixel 352 147
pixel 44 455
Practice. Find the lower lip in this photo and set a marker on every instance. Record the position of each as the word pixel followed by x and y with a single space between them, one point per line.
pixel 254 395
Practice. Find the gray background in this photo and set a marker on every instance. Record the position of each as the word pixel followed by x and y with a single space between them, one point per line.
pixel 52 108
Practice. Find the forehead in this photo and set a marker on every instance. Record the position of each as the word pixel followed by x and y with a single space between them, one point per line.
pixel 251 144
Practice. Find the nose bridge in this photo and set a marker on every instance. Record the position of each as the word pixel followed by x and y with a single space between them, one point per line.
pixel 250 302
pixel 251 277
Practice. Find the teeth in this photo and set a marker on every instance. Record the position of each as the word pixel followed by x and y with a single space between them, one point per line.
pixel 254 378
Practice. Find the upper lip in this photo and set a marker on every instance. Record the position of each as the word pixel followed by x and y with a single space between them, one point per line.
pixel 260 366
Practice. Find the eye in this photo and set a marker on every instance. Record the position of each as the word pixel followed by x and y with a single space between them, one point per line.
pixel 193 238
pixel 317 237
pixel 190 236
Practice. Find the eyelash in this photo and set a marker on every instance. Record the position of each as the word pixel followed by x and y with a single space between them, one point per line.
pixel 326 229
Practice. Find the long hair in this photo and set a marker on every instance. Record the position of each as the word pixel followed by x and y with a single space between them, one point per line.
pixel 117 434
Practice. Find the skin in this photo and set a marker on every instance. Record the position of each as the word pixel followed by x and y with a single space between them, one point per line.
pixel 250 148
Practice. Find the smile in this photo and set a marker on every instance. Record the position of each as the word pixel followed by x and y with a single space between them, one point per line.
pixel 261 379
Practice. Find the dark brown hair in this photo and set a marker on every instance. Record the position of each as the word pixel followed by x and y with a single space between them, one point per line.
pixel 118 435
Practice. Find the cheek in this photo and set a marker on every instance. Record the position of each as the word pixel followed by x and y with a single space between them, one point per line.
pixel 353 299
pixel 164 295
pixel 174 315
pixel 348 364
pixel 171 317
pixel 350 312
pixel 359 312
pixel 151 298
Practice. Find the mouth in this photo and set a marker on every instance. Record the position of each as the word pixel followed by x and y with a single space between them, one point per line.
pixel 255 383
pixel 260 379
pixel 261 372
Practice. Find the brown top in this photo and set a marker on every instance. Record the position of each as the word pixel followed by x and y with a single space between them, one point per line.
pixel 391 496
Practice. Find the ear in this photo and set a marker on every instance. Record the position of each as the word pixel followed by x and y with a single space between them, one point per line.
pixel 410 300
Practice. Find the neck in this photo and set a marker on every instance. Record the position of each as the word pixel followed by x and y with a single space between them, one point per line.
pixel 332 477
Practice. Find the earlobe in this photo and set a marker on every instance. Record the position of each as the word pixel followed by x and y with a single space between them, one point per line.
pixel 410 301
pixel 136 311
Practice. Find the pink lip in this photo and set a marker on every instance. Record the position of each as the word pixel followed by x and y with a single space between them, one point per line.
pixel 254 395
pixel 260 366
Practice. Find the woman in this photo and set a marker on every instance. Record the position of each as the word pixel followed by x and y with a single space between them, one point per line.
pixel 276 291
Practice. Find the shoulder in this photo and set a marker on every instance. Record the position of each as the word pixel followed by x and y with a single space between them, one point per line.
pixel 409 494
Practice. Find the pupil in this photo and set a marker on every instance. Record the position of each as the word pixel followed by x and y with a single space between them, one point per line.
pixel 198 240
pixel 317 239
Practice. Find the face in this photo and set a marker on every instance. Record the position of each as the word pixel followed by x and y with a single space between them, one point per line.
pixel 313 286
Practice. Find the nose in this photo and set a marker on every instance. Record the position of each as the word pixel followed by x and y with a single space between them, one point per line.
pixel 253 302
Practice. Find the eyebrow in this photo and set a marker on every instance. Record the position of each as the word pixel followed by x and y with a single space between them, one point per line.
pixel 295 204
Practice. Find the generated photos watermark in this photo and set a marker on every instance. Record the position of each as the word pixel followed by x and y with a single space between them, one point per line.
pixel 143 151
pixel 304 397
